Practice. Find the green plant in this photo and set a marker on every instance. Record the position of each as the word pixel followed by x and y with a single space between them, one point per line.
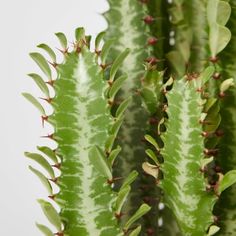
pixel 157 109
pixel 84 131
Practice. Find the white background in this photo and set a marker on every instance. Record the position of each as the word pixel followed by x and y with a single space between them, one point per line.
pixel 23 25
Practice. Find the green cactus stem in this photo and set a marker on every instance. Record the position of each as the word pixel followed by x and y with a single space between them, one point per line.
pixel 84 130
pixel 227 144
pixel 182 174
pixel 128 26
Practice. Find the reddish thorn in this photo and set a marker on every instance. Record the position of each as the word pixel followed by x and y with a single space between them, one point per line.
pixel 48 136
pixel 217 169
pixel 219 133
pixel 111 181
pixel 78 49
pixel 59 234
pixel 54 64
pixel 216 75
pixel 110 82
pixel 44 118
pixel 110 102
pixel 192 76
pixel 54 180
pixel 118 216
pixel 221 95
pixel 98 52
pixel 148 19
pixel 50 82
pixel 152 60
pixel 153 121
pixel 150 231
pixel 211 152
pixel 49 100
pixel 103 66
pixel 200 90
pixel 152 41
pixel 52 197
pixel 58 166
pixel 213 59
pixel 205 134
pixel 64 51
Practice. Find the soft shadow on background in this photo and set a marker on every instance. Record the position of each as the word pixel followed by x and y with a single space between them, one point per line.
pixel 24 24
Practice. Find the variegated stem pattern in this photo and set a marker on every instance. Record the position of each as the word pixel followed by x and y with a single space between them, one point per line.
pixel 84 130
pixel 182 174
pixel 183 152
pixel 227 144
pixel 126 25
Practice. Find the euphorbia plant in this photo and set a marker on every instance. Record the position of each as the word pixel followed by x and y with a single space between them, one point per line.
pixel 155 99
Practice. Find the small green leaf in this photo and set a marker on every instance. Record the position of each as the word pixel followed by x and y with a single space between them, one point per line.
pixel 206 75
pixel 99 39
pixel 49 152
pixel 116 126
pixel 116 86
pixel 112 157
pixel 122 107
pixel 41 83
pixel 51 214
pixel 209 104
pixel 152 141
pixel 43 179
pixel 228 180
pixel 213 229
pixel 226 84
pixel 49 51
pixel 218 39
pixel 35 102
pixel 63 40
pixel 79 34
pixel 136 231
pixel 100 162
pixel 218 12
pixel 121 198
pixel 88 39
pixel 130 179
pixel 42 63
pixel 45 230
pixel 109 143
pixel 42 162
pixel 105 50
pixel 143 209
pixel 117 63
pixel 153 156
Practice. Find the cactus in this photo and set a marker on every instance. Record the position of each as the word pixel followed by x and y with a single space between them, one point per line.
pixel 170 92
pixel 226 158
pixel 84 132
pixel 128 26
pixel 187 192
